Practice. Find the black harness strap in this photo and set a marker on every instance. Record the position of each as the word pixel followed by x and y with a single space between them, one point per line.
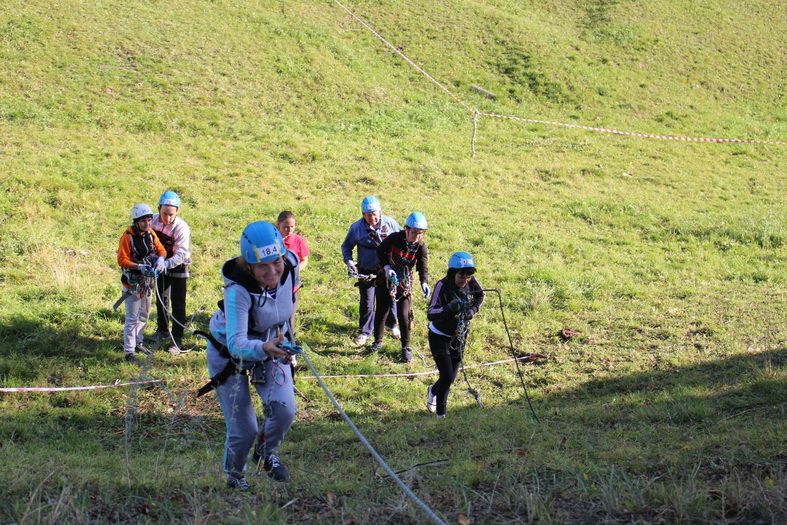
pixel 226 372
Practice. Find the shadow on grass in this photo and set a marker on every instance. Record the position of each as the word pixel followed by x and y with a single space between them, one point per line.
pixel 697 443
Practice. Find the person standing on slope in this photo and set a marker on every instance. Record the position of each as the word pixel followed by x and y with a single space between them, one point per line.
pixel 140 256
pixel 175 234
pixel 366 234
pixel 456 300
pixel 397 255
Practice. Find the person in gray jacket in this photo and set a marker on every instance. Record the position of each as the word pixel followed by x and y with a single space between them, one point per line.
pixel 366 234
pixel 248 337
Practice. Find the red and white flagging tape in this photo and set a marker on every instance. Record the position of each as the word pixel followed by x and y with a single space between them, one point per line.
pixel 117 384
pixel 477 113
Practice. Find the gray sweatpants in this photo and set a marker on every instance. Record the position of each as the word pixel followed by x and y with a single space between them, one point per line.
pixel 137 312
pixel 278 401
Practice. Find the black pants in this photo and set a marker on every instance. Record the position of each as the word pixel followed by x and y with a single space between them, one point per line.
pixel 366 307
pixel 171 290
pixel 383 303
pixel 447 362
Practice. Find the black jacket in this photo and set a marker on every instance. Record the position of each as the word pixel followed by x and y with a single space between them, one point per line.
pixel 446 291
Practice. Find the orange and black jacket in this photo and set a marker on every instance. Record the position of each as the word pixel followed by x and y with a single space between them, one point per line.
pixel 137 246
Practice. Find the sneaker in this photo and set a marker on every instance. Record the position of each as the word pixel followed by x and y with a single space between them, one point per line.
pixel 130 357
pixel 395 332
pixel 407 354
pixel 360 339
pixel 431 400
pixel 237 483
pixel 174 349
pixel 144 349
pixel 276 471
pixel 440 416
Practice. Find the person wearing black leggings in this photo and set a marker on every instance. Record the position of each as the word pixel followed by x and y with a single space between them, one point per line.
pixel 456 300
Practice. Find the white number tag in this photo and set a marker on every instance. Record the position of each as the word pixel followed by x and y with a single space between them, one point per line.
pixel 267 251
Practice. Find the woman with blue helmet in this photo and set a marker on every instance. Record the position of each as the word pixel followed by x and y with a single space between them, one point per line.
pixel 247 337
pixel 456 300
pixel 175 234
pixel 397 255
pixel 366 234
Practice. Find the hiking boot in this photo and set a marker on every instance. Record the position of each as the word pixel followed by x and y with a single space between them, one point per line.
pixel 407 354
pixel 144 349
pixel 431 400
pixel 130 357
pixel 395 332
pixel 276 471
pixel 237 483
pixel 360 339
pixel 174 349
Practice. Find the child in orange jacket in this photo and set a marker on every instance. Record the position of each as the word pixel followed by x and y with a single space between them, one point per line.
pixel 141 256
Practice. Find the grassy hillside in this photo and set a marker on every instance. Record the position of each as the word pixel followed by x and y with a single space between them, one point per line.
pixel 667 258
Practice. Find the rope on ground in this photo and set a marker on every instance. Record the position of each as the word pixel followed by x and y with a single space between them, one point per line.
pixel 116 384
pixel 476 113
pixel 428 372
pixel 429 512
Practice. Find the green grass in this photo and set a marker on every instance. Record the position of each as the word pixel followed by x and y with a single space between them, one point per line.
pixel 668 258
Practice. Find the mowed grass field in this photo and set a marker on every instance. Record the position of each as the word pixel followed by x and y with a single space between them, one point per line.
pixel 665 259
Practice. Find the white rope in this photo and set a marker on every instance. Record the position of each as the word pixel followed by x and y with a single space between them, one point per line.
pixel 429 512
pixel 417 374
pixel 405 57
pixel 476 112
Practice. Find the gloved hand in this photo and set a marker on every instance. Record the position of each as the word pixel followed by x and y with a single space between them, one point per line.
pixel 454 306
pixel 144 268
pixel 426 290
pixel 161 265
pixel 470 313
pixel 390 275
pixel 351 268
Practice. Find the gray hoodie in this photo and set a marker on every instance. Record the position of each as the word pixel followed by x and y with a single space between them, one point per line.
pixel 269 309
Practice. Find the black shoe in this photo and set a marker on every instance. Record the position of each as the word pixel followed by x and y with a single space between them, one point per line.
pixel 276 471
pixel 407 354
pixel 373 348
pixel 130 357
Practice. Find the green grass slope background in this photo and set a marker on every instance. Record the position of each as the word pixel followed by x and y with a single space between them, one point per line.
pixel 666 258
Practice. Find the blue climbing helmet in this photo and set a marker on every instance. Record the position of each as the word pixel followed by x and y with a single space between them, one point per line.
pixel 370 204
pixel 461 260
pixel 417 220
pixel 261 242
pixel 169 198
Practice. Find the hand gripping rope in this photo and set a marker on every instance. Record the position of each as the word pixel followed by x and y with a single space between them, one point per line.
pixel 434 518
